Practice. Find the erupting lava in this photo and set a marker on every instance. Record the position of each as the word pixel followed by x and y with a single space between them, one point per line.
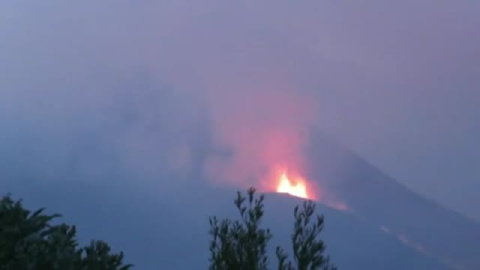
pixel 298 189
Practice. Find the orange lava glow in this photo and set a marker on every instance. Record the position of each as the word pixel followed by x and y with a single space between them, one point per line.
pixel 297 188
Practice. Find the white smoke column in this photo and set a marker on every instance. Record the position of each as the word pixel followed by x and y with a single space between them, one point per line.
pixel 266 126
pixel 260 111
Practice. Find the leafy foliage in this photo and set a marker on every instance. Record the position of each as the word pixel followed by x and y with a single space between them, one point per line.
pixel 243 244
pixel 29 241
pixel 307 248
pixel 240 244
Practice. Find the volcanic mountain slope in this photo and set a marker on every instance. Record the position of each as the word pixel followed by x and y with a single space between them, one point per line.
pixel 385 226
pixel 377 198
pixel 172 233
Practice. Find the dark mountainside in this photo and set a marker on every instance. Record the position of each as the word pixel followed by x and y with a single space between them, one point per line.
pixel 159 232
pixel 168 228
pixel 155 233
pixel 445 234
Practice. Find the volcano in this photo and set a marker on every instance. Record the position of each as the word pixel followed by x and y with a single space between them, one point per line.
pixel 416 222
pixel 386 225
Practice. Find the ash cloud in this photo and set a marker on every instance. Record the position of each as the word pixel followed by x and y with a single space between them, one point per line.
pixel 395 82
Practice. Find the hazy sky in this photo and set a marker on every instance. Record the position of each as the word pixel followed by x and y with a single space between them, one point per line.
pixel 397 82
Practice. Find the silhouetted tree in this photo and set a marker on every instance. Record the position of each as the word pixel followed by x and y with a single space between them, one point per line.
pixel 307 248
pixel 28 240
pixel 242 244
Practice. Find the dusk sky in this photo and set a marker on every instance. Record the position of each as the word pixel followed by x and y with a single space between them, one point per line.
pixel 398 83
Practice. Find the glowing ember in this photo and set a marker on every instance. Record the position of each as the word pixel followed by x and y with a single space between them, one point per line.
pixel 299 189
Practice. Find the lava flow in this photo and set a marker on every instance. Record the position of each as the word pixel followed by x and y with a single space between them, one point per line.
pixel 298 189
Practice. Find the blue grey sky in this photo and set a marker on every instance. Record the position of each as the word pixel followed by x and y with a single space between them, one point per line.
pixel 396 82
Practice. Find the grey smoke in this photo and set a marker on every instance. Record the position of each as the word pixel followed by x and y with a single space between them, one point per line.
pixel 396 82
